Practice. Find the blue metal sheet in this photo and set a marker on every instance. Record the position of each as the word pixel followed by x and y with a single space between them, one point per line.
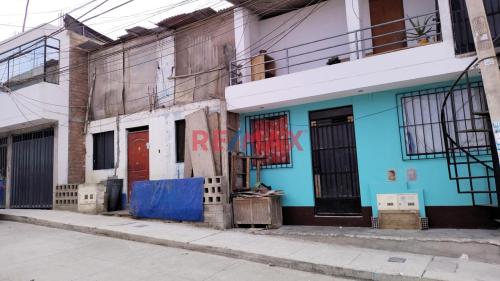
pixel 176 199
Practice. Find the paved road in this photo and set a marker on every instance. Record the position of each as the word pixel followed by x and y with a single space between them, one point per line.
pixel 29 252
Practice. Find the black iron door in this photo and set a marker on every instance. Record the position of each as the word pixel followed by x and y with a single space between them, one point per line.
pixel 32 169
pixel 335 167
pixel 3 170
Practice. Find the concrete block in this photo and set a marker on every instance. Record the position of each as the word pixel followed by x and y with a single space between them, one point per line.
pixel 219 216
pixel 66 197
pixel 92 198
pixel 214 191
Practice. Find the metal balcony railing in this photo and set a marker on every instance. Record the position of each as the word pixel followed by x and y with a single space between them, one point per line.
pixel 402 33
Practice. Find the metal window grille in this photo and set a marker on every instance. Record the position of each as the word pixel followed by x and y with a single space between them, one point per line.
pixel 34 135
pixel 464 42
pixel 268 136
pixel 104 150
pixel 419 120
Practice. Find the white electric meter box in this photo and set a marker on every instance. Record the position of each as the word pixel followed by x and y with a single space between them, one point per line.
pixel 406 202
pixel 387 201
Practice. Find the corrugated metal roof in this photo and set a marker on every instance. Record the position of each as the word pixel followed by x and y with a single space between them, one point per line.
pixel 185 19
pixel 72 24
pixel 269 8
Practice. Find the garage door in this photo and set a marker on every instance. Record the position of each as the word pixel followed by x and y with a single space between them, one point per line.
pixel 32 169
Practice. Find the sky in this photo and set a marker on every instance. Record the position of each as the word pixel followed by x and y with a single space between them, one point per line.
pixel 113 24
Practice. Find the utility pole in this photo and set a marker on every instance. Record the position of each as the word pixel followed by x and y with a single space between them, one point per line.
pixel 25 14
pixel 488 65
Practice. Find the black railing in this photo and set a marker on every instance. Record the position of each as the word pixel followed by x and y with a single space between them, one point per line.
pixel 415 31
pixel 464 42
pixel 31 63
pixel 477 174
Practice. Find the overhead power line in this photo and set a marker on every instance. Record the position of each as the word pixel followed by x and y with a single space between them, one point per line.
pixel 178 84
pixel 25 14
pixel 154 41
pixel 51 21
pixel 119 52
pixel 187 92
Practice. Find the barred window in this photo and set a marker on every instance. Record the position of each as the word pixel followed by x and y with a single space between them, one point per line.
pixel 420 122
pixel 268 136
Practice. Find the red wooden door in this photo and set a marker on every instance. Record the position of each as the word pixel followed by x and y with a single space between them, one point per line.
pixel 387 36
pixel 138 158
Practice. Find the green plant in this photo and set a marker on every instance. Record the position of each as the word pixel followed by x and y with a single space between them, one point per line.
pixel 421 30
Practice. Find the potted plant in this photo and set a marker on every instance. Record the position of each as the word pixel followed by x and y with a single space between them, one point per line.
pixel 421 30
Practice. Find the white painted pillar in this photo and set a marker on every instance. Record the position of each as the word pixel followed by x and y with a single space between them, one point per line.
pixel 353 18
pixel 446 26
pixel 245 24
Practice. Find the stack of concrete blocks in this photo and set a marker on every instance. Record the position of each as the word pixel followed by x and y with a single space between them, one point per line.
pixel 92 198
pixel 66 197
pixel 217 211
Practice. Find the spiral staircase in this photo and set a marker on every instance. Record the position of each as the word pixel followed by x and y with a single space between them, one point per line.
pixel 469 142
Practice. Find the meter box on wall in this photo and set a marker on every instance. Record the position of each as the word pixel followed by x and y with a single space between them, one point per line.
pixel 407 201
pixel 387 201
pixel 92 198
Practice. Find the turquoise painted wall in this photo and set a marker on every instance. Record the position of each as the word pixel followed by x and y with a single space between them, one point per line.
pixel 378 150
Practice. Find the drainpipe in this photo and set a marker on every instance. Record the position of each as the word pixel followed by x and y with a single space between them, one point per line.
pixel 117 163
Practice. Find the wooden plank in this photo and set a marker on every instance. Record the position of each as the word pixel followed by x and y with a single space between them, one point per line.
pixel 242 208
pixel 224 149
pixel 214 126
pixel 202 158
pixel 188 167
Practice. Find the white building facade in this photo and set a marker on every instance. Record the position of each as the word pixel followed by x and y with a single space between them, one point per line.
pixel 41 112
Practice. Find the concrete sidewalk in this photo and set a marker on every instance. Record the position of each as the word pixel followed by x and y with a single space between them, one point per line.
pixel 344 261
pixel 482 245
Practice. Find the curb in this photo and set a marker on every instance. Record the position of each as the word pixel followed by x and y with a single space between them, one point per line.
pixel 258 258
pixel 392 238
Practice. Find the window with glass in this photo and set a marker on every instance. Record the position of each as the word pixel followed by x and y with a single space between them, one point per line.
pixel 104 150
pixel 419 115
pixel 31 63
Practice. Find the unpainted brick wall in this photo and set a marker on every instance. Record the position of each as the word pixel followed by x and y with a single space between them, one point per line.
pixel 78 95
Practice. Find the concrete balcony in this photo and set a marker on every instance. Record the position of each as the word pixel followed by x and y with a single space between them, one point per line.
pixel 358 59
